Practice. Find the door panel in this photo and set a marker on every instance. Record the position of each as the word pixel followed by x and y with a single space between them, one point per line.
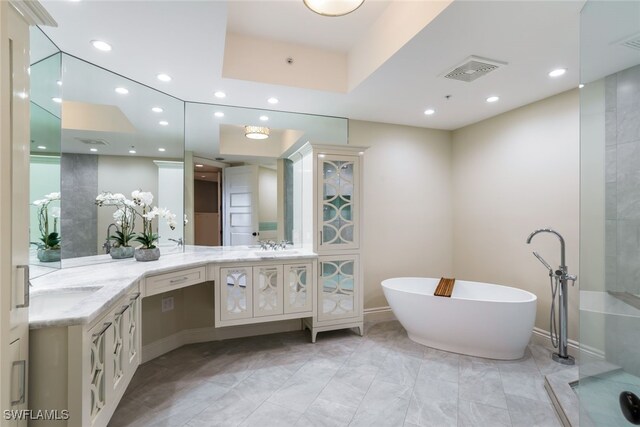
pixel 240 205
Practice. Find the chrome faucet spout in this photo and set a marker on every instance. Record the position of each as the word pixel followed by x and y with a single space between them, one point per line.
pixel 107 242
pixel 563 264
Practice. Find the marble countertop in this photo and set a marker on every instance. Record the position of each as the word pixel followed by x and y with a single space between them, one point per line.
pixel 79 295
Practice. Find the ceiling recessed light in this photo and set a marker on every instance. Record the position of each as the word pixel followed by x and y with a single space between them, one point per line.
pixel 157 110
pixel 429 111
pixel 122 90
pixel 163 123
pixel 557 72
pixel 220 94
pixel 93 150
pixel 580 86
pixel 164 77
pixel 41 147
pixel 162 150
pixel 199 166
pixel 273 100
pixel 100 45
pixel 132 151
pixel 218 114
pixel 59 82
pixel 57 100
pixel 493 98
pixel 264 118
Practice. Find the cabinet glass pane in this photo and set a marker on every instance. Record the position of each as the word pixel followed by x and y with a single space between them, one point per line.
pixel 337 281
pixel 97 373
pixel 267 297
pixel 236 291
pixel 337 206
pixel 297 291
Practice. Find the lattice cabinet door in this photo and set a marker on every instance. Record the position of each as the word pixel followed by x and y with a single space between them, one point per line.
pixel 298 286
pixel 236 299
pixel 119 344
pixel 100 375
pixel 338 288
pixel 338 190
pixel 267 290
pixel 133 331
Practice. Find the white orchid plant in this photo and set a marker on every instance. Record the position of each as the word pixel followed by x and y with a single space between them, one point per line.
pixel 49 236
pixel 124 216
pixel 144 199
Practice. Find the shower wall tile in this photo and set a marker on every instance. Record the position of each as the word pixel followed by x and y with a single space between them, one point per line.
pixel 611 201
pixel 611 273
pixel 611 128
pixel 611 162
pixel 628 105
pixel 79 215
pixel 628 255
pixel 610 92
pixel 611 236
pixel 628 178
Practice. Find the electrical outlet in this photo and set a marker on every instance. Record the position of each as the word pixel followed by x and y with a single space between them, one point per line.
pixel 167 304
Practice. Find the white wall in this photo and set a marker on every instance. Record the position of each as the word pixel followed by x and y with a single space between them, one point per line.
pixel 407 218
pixel 120 174
pixel 512 174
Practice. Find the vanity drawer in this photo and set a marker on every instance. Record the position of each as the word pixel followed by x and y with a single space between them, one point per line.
pixel 175 280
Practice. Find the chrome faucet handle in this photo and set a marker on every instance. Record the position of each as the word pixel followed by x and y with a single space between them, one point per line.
pixel 572 277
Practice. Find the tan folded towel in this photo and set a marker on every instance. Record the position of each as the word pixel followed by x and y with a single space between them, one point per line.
pixel 445 287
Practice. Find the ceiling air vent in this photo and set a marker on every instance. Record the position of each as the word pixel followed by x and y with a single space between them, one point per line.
pixel 93 142
pixel 633 42
pixel 473 68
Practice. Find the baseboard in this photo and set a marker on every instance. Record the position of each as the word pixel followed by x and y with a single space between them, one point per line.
pixel 378 314
pixel 191 336
pixel 541 337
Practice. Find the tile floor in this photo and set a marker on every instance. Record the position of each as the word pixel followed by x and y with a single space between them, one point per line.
pixel 381 379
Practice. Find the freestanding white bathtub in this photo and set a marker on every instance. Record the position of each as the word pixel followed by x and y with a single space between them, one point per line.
pixel 479 319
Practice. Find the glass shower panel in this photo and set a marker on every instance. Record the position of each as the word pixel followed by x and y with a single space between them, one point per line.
pixel 610 213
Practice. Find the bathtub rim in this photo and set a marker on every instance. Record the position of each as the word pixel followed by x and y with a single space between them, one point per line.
pixel 532 297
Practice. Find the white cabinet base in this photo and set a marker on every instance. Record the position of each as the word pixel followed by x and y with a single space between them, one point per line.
pixel 308 324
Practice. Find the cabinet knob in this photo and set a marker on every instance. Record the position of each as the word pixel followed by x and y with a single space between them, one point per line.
pixel 255 233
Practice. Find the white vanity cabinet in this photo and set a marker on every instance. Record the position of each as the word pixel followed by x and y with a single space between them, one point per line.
pixel 109 356
pixel 87 368
pixel 333 174
pixel 265 291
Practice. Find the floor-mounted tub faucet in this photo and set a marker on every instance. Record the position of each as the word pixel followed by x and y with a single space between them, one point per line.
pixel 561 277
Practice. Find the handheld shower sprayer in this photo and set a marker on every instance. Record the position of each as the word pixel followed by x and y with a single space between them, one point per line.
pixel 545 263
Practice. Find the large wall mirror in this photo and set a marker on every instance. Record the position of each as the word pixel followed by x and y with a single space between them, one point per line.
pixel 44 180
pixel 240 188
pixel 223 169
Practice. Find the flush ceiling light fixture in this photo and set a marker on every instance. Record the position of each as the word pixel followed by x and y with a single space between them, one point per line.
pixel 256 132
pixel 220 94
pixel 157 110
pixel 273 100
pixel 429 111
pixel 493 99
pixel 264 118
pixel 333 7
pixel 122 90
pixel 218 114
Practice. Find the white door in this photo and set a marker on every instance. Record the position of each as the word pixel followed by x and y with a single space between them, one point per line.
pixel 240 226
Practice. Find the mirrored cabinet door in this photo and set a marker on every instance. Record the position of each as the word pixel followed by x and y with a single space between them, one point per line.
pixel 235 293
pixel 297 288
pixel 268 285
pixel 338 188
pixel 338 290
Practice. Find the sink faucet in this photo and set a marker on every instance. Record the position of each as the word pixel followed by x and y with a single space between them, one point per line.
pixel 178 241
pixel 562 277
pixel 107 243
